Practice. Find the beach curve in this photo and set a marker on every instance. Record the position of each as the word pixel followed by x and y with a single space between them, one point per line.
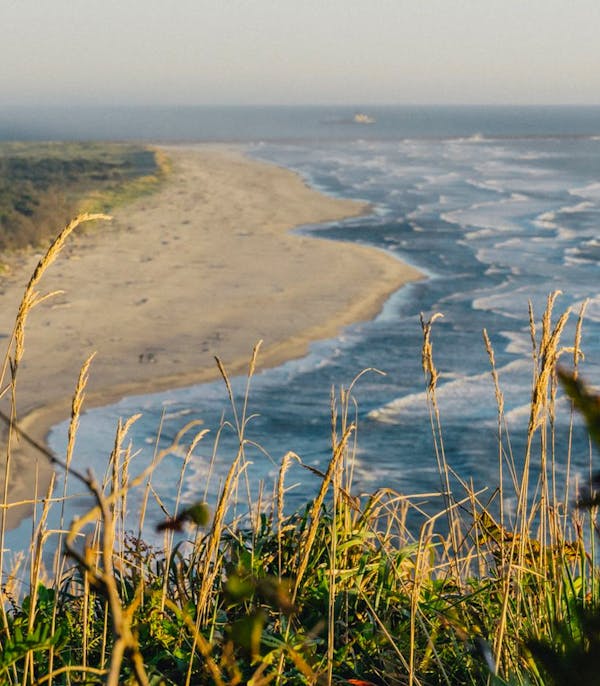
pixel 205 266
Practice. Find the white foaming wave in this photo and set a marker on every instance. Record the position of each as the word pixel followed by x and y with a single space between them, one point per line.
pixel 412 147
pixel 177 413
pixel 546 220
pixel 426 173
pixel 592 311
pixel 549 219
pixel 518 178
pixel 411 404
pixel 591 191
pixel 518 416
pixel 538 156
pixel 456 398
pixel 506 300
pixel 564 234
pixel 574 261
pixel 494 269
pixel 433 179
pixel 486 185
pixel 180 451
pixel 580 207
pixel 207 475
pixel 510 243
pixel 538 185
pixel 481 233
pixel 586 251
pixel 366 475
pixel 519 342
pixel 492 216
pixel 500 168
pixel 421 209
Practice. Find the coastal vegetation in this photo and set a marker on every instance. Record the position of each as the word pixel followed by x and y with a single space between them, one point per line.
pixel 45 183
pixel 345 590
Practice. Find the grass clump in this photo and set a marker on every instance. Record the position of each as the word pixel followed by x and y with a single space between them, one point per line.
pixel 350 589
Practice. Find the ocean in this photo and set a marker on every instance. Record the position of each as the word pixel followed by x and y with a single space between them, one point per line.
pixel 498 207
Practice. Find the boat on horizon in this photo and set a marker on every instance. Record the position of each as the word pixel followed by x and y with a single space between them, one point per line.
pixel 358 118
pixel 362 118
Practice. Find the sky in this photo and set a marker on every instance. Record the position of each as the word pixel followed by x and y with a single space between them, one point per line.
pixel 178 52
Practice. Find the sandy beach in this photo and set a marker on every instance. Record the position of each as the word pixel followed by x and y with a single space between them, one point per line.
pixel 206 266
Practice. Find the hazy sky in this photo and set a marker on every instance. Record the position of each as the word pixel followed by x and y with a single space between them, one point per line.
pixel 299 51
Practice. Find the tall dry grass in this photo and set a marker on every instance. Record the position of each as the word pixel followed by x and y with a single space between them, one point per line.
pixel 346 590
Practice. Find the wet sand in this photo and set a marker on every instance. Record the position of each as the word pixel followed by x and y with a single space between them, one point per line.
pixel 205 266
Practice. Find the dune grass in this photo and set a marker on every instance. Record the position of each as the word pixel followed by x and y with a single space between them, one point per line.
pixel 345 590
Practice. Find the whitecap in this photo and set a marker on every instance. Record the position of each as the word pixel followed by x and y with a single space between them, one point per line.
pixel 591 191
pixel 177 413
pixel 499 215
pixel 458 397
pixel 519 342
pixel 518 416
pixel 586 251
pixel 592 312
pixel 546 220
pixel 580 207
pixel 506 300
pixel 565 234
pixel 486 185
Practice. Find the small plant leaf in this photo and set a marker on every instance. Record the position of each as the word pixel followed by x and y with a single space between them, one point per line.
pixel 246 632
pixel 586 401
pixel 198 514
pixel 239 588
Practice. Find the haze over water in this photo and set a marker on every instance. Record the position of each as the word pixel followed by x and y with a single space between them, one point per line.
pixel 496 206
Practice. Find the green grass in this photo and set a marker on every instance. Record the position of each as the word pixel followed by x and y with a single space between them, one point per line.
pixel 42 183
pixel 344 589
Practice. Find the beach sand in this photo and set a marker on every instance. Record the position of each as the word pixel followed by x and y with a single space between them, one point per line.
pixel 205 266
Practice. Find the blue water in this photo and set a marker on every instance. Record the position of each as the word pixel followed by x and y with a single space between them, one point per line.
pixel 496 206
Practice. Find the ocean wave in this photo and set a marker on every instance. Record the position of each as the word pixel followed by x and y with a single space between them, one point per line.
pixel 177 414
pixel 565 234
pixel 580 207
pixel 486 184
pixel 497 215
pixel 519 341
pixel 551 218
pixel 518 416
pixel 508 299
pixel 592 311
pixel 457 398
pixel 546 220
pixel 591 191
pixel 588 251
pixel 440 179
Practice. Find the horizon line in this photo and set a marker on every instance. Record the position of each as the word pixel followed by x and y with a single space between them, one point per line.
pixel 363 105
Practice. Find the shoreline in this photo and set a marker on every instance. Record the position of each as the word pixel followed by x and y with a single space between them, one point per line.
pixel 207 265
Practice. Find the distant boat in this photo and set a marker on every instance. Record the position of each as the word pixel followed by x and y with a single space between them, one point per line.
pixel 358 118
pixel 361 118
